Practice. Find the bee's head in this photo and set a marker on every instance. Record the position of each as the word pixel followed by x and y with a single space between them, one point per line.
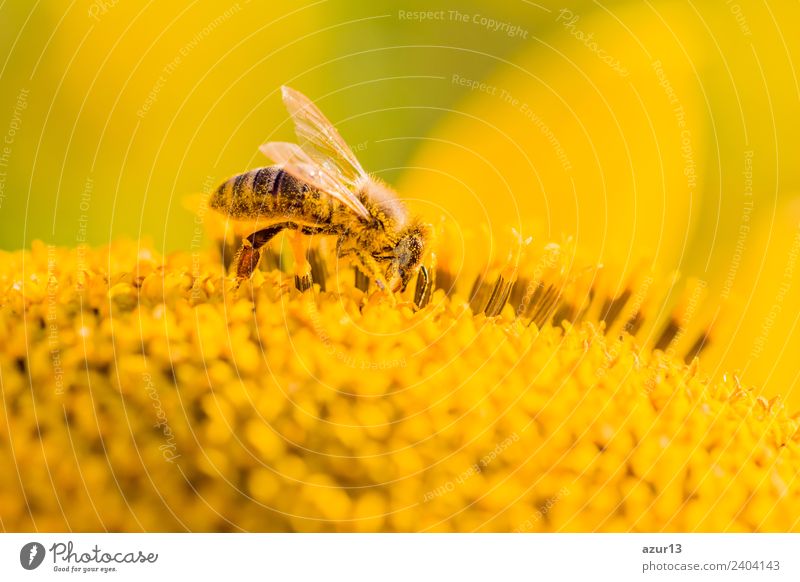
pixel 406 256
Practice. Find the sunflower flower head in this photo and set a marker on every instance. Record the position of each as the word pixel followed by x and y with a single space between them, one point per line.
pixel 152 393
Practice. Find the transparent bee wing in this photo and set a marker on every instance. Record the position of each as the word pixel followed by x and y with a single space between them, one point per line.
pixel 319 173
pixel 319 138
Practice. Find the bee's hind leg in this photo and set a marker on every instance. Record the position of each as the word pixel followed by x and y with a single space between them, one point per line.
pixel 249 254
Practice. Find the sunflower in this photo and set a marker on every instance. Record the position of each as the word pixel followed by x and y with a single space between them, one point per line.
pixel 149 393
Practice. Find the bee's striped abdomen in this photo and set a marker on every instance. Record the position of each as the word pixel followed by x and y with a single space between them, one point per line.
pixel 271 193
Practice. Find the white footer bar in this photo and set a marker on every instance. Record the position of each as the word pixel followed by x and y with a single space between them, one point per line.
pixel 401 557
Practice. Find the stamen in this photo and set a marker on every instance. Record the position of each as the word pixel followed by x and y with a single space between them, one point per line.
pixel 698 346
pixel 271 260
pixel 424 287
pixel 499 297
pixel 634 324
pixel 611 309
pixel 319 270
pixel 361 280
pixel 478 295
pixel 545 307
pixel 228 251
pixel 670 331
pixel 445 280
pixel 517 294
pixel 303 282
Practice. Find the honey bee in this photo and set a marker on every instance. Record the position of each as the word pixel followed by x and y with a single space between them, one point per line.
pixel 319 187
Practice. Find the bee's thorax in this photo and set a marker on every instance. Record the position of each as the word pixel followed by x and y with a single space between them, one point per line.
pixel 382 204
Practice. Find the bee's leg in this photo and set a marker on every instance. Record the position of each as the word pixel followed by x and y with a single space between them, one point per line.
pixel 373 270
pixel 249 254
pixel 302 275
pixel 362 280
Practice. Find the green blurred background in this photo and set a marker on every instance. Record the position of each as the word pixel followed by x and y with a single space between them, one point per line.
pixel 654 129
pixel 148 101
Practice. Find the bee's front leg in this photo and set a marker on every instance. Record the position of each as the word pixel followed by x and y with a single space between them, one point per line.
pixel 373 269
pixel 343 250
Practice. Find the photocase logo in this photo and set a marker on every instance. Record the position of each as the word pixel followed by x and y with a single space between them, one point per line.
pixel 31 555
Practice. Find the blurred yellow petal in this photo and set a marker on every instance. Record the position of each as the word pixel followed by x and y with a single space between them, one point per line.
pixel 560 142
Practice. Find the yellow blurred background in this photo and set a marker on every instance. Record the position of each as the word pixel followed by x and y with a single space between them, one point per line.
pixel 660 130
